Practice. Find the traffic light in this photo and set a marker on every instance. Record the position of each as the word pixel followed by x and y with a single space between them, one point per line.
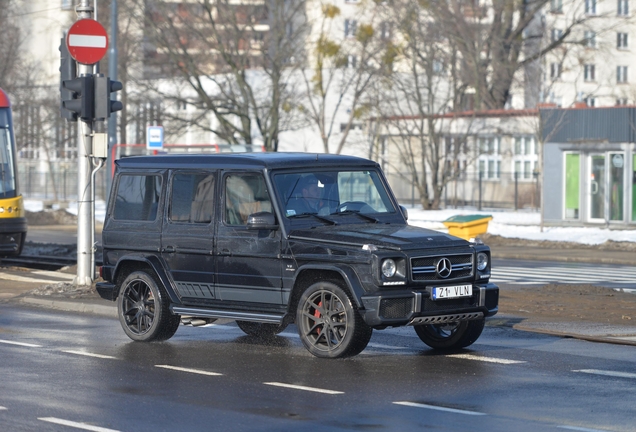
pixel 82 103
pixel 67 72
pixel 104 105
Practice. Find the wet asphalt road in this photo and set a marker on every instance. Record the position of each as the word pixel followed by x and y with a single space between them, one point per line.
pixel 65 372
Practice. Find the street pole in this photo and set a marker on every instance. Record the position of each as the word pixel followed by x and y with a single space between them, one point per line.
pixel 112 73
pixel 85 203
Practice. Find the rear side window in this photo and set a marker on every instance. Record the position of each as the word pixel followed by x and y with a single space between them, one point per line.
pixel 137 197
pixel 192 198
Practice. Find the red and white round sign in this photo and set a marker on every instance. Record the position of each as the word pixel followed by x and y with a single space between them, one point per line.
pixel 87 41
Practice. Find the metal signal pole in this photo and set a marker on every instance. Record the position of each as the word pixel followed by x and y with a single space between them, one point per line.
pixel 85 204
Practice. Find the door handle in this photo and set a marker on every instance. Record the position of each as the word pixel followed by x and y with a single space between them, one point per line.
pixel 169 249
pixel 594 188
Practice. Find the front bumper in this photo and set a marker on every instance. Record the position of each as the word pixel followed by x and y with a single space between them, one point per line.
pixel 12 235
pixel 415 307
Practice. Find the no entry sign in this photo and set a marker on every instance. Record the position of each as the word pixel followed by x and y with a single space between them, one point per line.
pixel 87 41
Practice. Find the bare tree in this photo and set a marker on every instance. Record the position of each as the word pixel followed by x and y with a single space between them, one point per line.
pixel 10 57
pixel 498 39
pixel 416 105
pixel 234 59
pixel 341 71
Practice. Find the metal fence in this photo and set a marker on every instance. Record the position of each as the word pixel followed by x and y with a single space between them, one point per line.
pixel 59 184
pixel 505 190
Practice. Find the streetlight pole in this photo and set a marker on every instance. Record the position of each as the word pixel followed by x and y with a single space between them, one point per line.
pixel 112 73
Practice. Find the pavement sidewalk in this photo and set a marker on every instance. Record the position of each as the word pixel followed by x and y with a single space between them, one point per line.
pixel 17 285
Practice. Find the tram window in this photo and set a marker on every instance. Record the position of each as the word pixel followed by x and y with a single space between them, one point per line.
pixel 7 174
pixel 137 197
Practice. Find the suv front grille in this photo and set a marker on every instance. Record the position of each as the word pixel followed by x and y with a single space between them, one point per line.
pixel 425 268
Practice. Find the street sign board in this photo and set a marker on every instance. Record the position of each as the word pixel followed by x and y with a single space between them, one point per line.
pixel 87 41
pixel 154 138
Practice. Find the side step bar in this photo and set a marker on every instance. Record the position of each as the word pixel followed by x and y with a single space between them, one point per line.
pixel 443 319
pixel 220 314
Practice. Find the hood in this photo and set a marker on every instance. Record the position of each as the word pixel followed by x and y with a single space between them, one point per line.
pixel 396 237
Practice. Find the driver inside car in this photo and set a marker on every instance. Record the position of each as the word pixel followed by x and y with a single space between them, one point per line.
pixel 310 197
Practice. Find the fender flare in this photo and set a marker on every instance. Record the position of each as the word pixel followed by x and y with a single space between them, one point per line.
pixel 349 276
pixel 157 266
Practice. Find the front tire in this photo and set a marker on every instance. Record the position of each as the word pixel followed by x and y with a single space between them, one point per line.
pixel 143 311
pixel 260 330
pixel 450 336
pixel 329 323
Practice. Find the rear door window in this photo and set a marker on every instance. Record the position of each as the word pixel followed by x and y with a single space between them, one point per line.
pixel 192 198
pixel 137 197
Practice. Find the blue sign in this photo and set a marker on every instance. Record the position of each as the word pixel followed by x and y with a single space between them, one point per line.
pixel 154 138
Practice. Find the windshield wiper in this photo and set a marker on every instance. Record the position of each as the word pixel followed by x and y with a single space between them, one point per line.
pixel 362 215
pixel 321 218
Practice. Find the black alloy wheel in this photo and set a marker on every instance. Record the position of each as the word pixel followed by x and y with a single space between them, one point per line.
pixel 450 336
pixel 143 311
pixel 329 323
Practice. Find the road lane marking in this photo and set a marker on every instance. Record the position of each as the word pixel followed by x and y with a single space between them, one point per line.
pixel 75 424
pixel 607 373
pixel 485 359
pixel 3 408
pixel 20 344
pixel 194 371
pixel 87 354
pixel 581 429
pixel 299 387
pixel 390 347
pixel 438 408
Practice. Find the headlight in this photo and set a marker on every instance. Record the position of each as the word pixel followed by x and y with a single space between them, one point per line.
pixel 389 268
pixel 482 261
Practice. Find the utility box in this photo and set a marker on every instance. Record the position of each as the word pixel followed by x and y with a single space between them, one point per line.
pixel 467 226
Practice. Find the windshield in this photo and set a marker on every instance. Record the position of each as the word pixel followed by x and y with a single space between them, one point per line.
pixel 7 174
pixel 331 193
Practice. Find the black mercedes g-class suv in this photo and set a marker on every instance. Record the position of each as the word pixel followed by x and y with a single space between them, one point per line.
pixel 268 239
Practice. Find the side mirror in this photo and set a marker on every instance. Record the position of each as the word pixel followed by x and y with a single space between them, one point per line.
pixel 262 220
pixel 405 212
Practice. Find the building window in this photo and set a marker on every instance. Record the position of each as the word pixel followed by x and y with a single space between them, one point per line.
pixel 351 26
pixel 385 30
pixel 556 34
pixel 555 70
pixel 556 6
pixel 621 41
pixel 589 72
pixel 621 102
pixel 67 4
pixel 623 7
pixel 590 7
pixel 525 157
pixel 489 158
pixel 352 61
pixel 621 74
pixel 590 39
pixel 590 101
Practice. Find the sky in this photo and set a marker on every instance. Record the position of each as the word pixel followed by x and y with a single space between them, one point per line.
pixel 511 224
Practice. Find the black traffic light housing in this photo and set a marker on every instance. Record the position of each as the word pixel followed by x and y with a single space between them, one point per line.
pixel 104 105
pixel 82 104
pixel 68 68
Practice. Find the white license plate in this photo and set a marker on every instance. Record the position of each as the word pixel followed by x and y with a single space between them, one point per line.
pixel 449 292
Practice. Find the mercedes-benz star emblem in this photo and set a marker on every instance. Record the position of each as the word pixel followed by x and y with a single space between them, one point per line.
pixel 443 268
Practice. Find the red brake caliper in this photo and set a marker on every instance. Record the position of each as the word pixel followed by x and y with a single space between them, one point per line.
pixel 317 315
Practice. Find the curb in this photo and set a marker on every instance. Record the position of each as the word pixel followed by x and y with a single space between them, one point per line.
pixel 561 258
pixel 71 306
pixel 613 339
